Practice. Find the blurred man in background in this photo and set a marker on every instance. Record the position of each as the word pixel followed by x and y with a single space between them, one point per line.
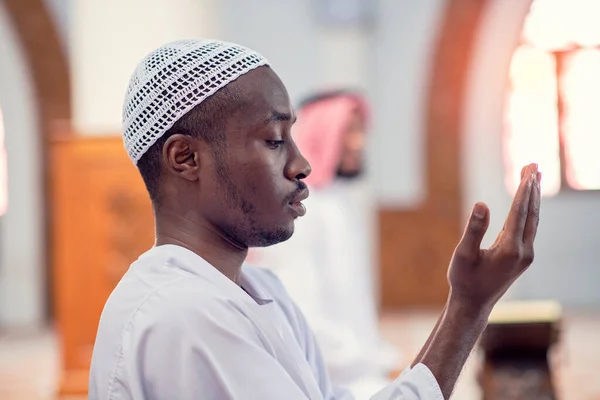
pixel 327 266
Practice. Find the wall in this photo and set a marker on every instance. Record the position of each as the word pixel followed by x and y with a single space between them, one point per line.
pixel 108 39
pixel 21 268
pixel 307 54
pixel 401 50
pixel 567 249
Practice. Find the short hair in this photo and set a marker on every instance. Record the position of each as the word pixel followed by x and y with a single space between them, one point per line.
pixel 205 121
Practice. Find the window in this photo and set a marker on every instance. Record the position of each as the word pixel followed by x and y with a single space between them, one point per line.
pixel 553 101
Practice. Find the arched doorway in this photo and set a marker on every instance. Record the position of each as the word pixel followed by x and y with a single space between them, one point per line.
pixel 35 97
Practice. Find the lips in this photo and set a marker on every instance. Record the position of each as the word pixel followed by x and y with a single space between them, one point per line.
pixel 303 195
pixel 296 203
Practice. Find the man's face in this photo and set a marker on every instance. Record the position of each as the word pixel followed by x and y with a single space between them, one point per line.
pixel 252 192
pixel 351 161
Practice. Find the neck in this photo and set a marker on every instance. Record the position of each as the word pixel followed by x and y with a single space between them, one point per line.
pixel 203 238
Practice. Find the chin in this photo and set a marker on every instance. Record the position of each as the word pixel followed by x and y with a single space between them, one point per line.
pixel 271 237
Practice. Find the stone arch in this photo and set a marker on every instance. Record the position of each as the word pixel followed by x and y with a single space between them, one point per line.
pixel 48 70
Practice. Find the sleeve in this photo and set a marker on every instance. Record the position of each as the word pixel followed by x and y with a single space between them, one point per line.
pixel 417 383
pixel 213 353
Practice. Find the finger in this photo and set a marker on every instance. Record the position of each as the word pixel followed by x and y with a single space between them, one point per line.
pixel 533 214
pixel 470 244
pixel 517 216
pixel 523 170
pixel 499 237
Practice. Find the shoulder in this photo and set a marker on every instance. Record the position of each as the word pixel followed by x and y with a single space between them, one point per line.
pixel 166 299
pixel 187 305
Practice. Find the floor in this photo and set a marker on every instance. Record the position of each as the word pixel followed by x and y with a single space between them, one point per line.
pixel 28 360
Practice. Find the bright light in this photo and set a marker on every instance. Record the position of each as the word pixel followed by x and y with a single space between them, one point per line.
pixel 581 92
pixel 555 24
pixel 532 120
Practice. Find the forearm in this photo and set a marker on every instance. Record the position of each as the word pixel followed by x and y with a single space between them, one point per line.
pixel 452 343
pixel 418 358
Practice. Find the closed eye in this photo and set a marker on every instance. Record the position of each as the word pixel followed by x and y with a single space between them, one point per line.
pixel 275 144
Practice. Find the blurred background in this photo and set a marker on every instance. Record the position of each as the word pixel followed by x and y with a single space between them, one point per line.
pixel 464 92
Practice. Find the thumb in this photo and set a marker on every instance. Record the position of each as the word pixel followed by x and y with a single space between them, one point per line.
pixel 477 225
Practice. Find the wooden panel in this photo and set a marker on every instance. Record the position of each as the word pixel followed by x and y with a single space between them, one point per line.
pixel 101 221
pixel 415 252
pixel 416 245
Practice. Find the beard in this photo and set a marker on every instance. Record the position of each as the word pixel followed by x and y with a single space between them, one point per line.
pixel 245 228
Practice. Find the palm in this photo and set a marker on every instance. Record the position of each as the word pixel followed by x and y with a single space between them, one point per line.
pixel 484 275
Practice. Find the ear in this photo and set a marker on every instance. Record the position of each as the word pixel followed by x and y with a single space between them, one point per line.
pixel 182 156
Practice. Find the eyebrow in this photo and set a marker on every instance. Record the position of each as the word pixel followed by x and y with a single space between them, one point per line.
pixel 277 116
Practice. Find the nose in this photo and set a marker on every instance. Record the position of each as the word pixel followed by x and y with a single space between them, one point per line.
pixel 298 167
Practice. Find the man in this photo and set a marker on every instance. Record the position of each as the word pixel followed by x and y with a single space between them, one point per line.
pixel 208 125
pixel 327 265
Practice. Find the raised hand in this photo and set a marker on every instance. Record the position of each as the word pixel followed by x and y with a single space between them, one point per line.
pixel 479 277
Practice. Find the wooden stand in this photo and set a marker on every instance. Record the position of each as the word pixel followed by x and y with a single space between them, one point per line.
pixel 515 345
pixel 101 222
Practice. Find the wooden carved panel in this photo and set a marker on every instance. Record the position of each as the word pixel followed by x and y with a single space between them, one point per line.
pixel 102 221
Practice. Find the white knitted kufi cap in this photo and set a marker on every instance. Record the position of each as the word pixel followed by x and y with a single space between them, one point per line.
pixel 172 80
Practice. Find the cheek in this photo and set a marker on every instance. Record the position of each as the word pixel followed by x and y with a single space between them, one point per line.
pixel 266 190
pixel 260 177
pixel 257 180
pixel 266 185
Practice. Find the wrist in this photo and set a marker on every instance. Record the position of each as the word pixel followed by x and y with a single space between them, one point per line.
pixel 467 311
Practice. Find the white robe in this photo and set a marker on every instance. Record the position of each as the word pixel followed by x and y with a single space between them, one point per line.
pixel 327 266
pixel 176 328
